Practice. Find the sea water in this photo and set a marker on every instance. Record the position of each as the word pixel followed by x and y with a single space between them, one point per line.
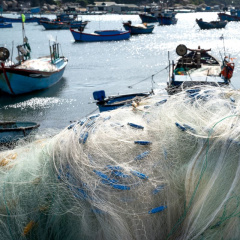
pixel 110 66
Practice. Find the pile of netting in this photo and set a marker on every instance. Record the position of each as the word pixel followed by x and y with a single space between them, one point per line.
pixel 166 169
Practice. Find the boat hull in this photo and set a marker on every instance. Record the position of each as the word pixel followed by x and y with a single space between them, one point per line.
pixel 167 20
pixel 86 37
pixel 5 25
pixel 139 30
pixel 114 102
pixel 16 81
pixel 211 25
pixel 227 17
pixel 19 20
pixel 13 131
pixel 148 18
pixel 48 25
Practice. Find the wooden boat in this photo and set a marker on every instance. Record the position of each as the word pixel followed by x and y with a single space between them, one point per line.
pixel 148 18
pixel 117 101
pixel 97 36
pixel 211 25
pixel 13 131
pixel 197 67
pixel 138 29
pixel 30 74
pixel 167 18
pixel 5 25
pixel 54 25
pixel 28 19
pixel 233 16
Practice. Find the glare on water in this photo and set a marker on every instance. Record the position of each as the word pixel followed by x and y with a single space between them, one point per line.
pixel 109 66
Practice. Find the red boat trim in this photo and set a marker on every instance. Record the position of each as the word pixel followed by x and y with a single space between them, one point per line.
pixel 5 75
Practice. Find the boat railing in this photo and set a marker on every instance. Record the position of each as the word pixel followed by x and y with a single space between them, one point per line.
pixel 54 52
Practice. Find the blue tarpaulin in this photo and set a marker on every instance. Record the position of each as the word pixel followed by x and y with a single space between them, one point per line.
pixel 35 10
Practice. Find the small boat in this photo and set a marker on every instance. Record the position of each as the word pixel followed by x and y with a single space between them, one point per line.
pixel 117 101
pixel 5 25
pixel 139 28
pixel 54 25
pixel 13 131
pixel 197 67
pixel 233 16
pixel 28 74
pixel 97 36
pixel 167 18
pixel 28 19
pixel 211 25
pixel 148 18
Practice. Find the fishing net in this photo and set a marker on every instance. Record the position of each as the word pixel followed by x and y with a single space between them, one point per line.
pixel 165 169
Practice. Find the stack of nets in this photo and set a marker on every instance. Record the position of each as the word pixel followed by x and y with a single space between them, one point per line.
pixel 167 169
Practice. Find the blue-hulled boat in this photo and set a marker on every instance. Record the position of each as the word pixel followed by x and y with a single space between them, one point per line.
pixel 30 74
pixel 5 25
pixel 233 16
pixel 13 131
pixel 97 36
pixel 138 29
pixel 54 25
pixel 211 25
pixel 197 67
pixel 117 101
pixel 167 18
pixel 28 19
pixel 148 18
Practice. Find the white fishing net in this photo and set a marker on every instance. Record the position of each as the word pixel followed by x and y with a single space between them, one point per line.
pixel 167 169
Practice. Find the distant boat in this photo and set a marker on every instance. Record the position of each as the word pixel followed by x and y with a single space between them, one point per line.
pixel 197 67
pixel 211 25
pixel 54 25
pixel 167 18
pixel 139 28
pixel 233 16
pixel 5 25
pixel 148 18
pixel 28 19
pixel 13 131
pixel 117 101
pixel 97 36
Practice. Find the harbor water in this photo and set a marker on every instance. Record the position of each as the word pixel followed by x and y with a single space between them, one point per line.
pixel 110 66
pixel 167 169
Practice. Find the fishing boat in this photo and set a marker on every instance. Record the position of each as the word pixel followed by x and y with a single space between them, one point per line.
pixel 13 131
pixel 167 18
pixel 28 19
pixel 113 102
pixel 197 67
pixel 5 25
pixel 54 25
pixel 148 18
pixel 100 35
pixel 233 16
pixel 29 75
pixel 211 25
pixel 139 28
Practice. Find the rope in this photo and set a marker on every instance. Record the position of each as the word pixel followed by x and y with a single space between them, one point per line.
pixel 148 77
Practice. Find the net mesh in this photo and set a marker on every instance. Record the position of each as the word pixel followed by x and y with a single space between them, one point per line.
pixel 166 169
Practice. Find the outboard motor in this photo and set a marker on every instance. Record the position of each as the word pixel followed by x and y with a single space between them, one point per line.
pixel 99 95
